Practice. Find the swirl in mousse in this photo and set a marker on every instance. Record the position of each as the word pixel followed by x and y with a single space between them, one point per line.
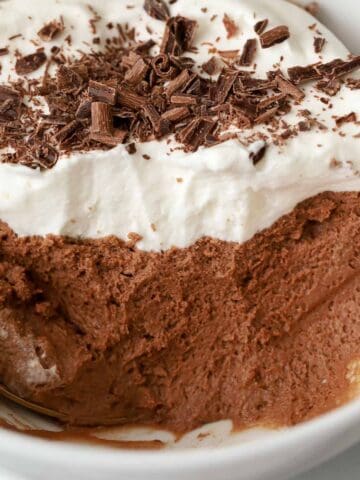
pixel 180 211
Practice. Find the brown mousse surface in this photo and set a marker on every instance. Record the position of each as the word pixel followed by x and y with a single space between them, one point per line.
pixel 260 332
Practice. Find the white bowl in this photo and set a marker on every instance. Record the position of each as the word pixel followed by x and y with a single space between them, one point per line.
pixel 252 455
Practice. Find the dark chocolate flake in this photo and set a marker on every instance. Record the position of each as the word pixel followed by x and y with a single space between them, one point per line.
pixel 349 118
pixel 285 86
pixel 195 133
pixel 46 156
pixel 301 74
pixel 51 30
pixel 176 114
pixel 224 85
pixel 4 51
pixel 30 63
pixel 157 9
pixel 177 83
pixel 228 54
pixel 102 93
pixel 319 43
pixel 353 83
pixel 210 67
pixel 256 157
pixel 178 36
pixel 67 131
pixel 67 79
pixel 131 148
pixel 329 86
pixel 163 67
pixel 184 99
pixel 275 35
pixel 230 26
pixel 260 26
pixel 248 53
pixel 137 72
pixel 101 118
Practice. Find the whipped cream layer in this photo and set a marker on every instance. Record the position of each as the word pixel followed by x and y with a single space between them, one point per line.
pixel 174 198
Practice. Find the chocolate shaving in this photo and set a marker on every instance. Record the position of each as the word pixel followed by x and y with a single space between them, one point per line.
pixel 144 47
pixel 260 26
pixel 67 131
pixel 112 140
pixel 30 63
pixel 157 9
pixel 349 118
pixel 267 115
pixel 210 67
pixel 184 99
pixel 175 114
pixel 9 104
pixel 163 67
pixel 285 86
pixel 128 98
pixel 230 26
pixel 329 86
pixel 153 116
pixel 46 156
pixel 230 54
pixel 4 51
pixel 319 43
pixel 102 93
pixel 124 93
pixel 178 36
pixel 195 133
pixel 101 118
pixel 177 83
pixel 353 83
pixel 301 74
pixel 68 80
pixel 248 53
pixel 256 157
pixel 51 30
pixel 274 36
pixel 131 149
pixel 137 72
pixel 334 69
pixel 84 110
pixel 224 84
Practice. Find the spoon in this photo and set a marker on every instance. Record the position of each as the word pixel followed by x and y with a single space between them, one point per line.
pixel 48 412
pixel 34 407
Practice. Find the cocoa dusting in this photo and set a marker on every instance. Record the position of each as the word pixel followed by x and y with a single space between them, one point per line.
pixel 188 336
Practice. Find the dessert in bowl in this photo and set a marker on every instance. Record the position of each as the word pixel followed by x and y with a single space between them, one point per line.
pixel 180 213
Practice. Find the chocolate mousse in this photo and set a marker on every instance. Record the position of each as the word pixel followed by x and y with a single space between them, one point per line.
pixel 234 293
pixel 261 333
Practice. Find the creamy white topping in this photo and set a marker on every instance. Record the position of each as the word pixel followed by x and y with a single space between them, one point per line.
pixel 174 198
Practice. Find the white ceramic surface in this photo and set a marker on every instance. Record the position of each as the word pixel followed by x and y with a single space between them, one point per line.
pixel 251 456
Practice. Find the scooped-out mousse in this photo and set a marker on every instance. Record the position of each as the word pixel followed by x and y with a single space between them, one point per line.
pixel 179 211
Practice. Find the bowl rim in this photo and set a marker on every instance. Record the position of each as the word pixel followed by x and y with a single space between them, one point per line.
pixel 140 461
